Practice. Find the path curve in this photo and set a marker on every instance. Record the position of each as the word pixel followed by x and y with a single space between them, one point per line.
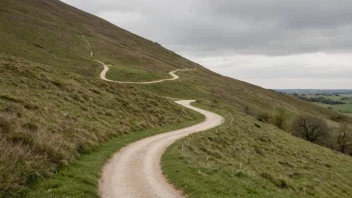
pixel 135 170
pixel 90 47
pixel 106 69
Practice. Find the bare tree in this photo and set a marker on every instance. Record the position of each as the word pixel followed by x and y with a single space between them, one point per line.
pixel 310 128
pixel 344 139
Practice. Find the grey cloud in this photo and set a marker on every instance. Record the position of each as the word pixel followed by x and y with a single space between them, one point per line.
pixel 284 31
pixel 293 72
pixel 270 27
pixel 294 14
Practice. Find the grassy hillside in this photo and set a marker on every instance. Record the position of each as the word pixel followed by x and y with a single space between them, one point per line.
pixel 81 178
pixel 53 106
pixel 48 117
pixel 55 38
pixel 50 32
pixel 241 159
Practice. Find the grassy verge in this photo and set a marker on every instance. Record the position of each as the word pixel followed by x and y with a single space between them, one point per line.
pixel 48 117
pixel 134 75
pixel 80 179
pixel 247 158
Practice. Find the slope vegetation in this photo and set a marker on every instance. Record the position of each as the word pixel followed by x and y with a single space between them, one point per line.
pixel 53 107
pixel 246 158
pixel 48 117
pixel 55 38
pixel 135 171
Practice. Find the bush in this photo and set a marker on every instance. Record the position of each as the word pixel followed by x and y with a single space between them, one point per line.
pixel 263 117
pixel 247 110
pixel 310 128
pixel 280 118
pixel 336 118
pixel 344 139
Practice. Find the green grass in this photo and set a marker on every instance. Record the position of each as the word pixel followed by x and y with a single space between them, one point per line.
pixel 343 108
pixel 56 40
pixel 347 95
pixel 238 159
pixel 134 75
pixel 54 107
pixel 80 179
pixel 48 117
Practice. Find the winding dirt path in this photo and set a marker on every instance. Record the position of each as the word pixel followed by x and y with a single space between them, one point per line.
pixel 106 69
pixel 90 47
pixel 135 170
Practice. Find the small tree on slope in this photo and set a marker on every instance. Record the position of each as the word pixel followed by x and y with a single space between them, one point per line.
pixel 344 139
pixel 310 128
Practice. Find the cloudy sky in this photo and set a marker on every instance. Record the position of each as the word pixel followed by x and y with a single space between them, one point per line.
pixel 271 43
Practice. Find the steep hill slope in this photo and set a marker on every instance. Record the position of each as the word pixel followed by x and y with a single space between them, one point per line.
pixel 54 106
pixel 247 158
pixel 48 117
pixel 50 32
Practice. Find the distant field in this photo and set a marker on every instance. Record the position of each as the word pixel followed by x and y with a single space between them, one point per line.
pixel 343 108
